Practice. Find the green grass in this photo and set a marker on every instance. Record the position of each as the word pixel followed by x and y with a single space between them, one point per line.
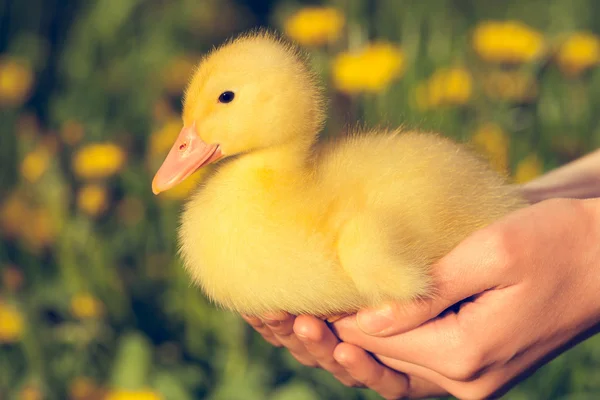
pixel 99 63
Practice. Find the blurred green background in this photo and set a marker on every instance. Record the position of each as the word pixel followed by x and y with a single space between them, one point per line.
pixel 94 303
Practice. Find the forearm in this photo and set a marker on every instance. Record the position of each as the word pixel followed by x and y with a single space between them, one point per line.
pixel 592 209
pixel 578 179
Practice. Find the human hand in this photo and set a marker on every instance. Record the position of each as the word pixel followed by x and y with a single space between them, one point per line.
pixel 526 288
pixel 313 344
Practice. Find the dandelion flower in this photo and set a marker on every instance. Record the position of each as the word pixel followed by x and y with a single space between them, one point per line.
pixel 578 52
pixel 315 26
pixel 492 142
pixel 99 160
pixel 133 395
pixel 35 164
pixel 12 323
pixel 92 199
pixel 447 86
pixel 16 81
pixel 507 42
pixel 529 168
pixel 86 306
pixel 370 69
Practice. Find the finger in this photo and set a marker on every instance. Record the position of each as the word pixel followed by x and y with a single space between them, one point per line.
pixel 432 345
pixel 261 328
pixel 320 343
pixel 282 327
pixel 388 383
pixel 466 271
pixel 456 345
pixel 422 382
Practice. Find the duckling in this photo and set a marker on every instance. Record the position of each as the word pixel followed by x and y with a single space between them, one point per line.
pixel 285 223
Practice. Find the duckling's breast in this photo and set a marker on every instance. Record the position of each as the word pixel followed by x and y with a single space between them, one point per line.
pixel 262 244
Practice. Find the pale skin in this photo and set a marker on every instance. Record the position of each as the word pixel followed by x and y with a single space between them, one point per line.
pixel 508 299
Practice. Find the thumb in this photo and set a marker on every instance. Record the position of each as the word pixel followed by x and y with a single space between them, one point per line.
pixel 463 273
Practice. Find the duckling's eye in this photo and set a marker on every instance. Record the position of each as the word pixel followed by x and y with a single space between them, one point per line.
pixel 226 97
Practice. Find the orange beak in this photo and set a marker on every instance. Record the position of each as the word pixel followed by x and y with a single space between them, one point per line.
pixel 187 155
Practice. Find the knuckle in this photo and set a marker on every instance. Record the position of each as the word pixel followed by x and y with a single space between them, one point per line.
pixel 469 362
pixel 498 243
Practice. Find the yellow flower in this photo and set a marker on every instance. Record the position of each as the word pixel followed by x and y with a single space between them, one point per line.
pixel 16 81
pixel 11 324
pixel 72 132
pixel 508 42
pixel 99 160
pixel 133 395
pixel 491 141
pixel 370 69
pixel 315 26
pixel 578 52
pixel 529 168
pixel 35 164
pixel 447 86
pixel 92 199
pixel 176 74
pixel 510 86
pixel 84 305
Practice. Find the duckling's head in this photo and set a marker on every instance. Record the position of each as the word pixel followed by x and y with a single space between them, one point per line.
pixel 252 93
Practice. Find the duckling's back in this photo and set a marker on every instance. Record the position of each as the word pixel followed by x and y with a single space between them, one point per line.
pixel 408 198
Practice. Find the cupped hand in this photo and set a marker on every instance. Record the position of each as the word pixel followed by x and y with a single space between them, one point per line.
pixel 508 299
pixel 313 344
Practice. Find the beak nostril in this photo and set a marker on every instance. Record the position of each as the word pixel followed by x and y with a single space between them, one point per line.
pixel 182 146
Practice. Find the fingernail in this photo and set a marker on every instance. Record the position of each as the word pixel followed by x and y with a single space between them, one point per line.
pixel 375 321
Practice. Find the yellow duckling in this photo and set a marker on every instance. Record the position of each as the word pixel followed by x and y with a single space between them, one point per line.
pixel 286 224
